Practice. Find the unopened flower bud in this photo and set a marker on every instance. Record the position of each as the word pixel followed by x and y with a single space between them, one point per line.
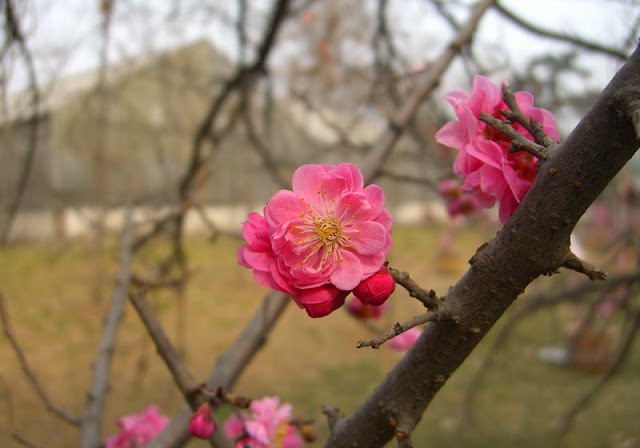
pixel 322 300
pixel 202 424
pixel 376 289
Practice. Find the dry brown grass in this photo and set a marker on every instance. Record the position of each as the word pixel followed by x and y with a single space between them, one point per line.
pixel 307 362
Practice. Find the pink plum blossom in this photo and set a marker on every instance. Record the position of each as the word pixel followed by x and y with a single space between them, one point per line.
pixel 319 240
pixel 362 311
pixel 484 161
pixel 266 426
pixel 404 341
pixel 138 429
pixel 459 201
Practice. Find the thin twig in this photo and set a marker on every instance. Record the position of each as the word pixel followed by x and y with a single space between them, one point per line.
pixel 425 86
pixel 33 121
pixel 28 371
pixel 428 298
pixel 519 141
pixel 582 43
pixel 400 328
pixel 333 415
pixel 516 114
pixel 91 434
pixel 576 264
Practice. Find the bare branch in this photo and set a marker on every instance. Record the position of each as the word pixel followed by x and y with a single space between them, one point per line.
pixel 582 43
pixel 428 298
pixel 516 114
pixel 33 121
pixel 229 365
pixel 333 415
pixel 28 371
pixel 400 328
pixel 181 375
pixel 572 262
pixel 538 232
pixel 91 434
pixel 621 357
pixel 431 183
pixel 430 80
pixel 519 141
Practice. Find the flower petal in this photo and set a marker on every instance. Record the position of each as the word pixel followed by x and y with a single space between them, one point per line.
pixel 367 237
pixel 307 178
pixel 284 206
pixel 352 176
pixel 348 273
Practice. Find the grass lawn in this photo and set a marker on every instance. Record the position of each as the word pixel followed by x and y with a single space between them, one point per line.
pixel 306 361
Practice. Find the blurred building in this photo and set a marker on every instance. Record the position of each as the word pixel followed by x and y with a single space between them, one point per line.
pixel 124 135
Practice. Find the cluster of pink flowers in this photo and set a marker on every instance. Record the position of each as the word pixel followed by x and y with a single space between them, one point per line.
pixel 138 429
pixel 322 240
pixel 266 426
pixel 490 171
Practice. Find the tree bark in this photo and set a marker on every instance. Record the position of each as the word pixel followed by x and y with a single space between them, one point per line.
pixel 535 241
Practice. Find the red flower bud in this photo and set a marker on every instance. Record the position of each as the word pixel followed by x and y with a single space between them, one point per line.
pixel 202 424
pixel 320 301
pixel 376 289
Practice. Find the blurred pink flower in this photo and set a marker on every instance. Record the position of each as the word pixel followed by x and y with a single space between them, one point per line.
pixel 267 426
pixel 202 424
pixel 308 16
pixel 361 311
pixel 404 341
pixel 138 429
pixel 484 161
pixel 459 201
pixel 329 233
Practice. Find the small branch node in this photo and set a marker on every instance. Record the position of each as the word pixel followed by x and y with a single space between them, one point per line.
pixel 333 415
pixel 236 400
pixel 634 113
pixel 404 439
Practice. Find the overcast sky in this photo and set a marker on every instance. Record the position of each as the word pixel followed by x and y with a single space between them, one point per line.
pixel 74 24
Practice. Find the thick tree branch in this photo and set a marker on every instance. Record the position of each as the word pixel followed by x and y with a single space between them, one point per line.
pixel 533 242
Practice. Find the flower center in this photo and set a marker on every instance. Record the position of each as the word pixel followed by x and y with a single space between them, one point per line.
pixel 328 229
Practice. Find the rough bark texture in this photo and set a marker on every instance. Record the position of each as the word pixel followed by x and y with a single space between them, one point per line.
pixel 535 241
